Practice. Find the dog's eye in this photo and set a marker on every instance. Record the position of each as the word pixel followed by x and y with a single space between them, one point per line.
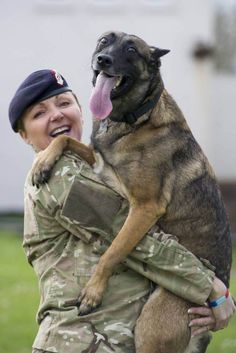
pixel 104 40
pixel 131 49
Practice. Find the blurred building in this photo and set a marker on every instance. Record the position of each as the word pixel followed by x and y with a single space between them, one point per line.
pixel 200 71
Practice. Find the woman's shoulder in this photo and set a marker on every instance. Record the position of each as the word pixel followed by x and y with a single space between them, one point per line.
pixel 61 177
pixel 67 167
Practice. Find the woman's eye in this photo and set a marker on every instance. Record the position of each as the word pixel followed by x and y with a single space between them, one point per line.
pixel 38 114
pixel 131 49
pixel 64 103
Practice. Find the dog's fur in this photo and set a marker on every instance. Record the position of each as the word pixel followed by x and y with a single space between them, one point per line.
pixel 159 167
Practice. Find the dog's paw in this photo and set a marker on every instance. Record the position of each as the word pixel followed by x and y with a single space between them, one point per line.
pixel 91 296
pixel 83 307
pixel 42 168
pixel 88 301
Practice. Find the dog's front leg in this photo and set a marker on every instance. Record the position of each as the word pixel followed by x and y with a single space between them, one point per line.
pixel 47 158
pixel 140 219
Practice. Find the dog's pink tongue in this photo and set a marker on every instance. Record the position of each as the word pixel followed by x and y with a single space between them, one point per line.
pixel 100 100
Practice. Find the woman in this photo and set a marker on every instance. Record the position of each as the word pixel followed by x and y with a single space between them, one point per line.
pixel 71 219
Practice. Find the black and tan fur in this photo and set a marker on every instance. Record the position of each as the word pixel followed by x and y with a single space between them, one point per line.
pixel 159 167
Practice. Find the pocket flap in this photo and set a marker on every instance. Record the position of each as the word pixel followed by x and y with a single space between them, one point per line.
pixel 92 204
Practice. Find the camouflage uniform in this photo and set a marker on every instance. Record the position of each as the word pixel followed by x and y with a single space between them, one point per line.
pixel 69 222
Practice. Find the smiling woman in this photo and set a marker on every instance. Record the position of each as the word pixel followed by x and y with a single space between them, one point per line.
pixel 45 107
pixel 54 116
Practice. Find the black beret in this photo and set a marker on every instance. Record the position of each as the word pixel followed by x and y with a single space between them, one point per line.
pixel 38 86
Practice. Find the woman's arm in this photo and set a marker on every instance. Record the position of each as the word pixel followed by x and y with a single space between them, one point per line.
pixel 95 208
pixel 90 207
pixel 216 317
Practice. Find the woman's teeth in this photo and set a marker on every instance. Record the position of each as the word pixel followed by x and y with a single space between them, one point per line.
pixel 60 130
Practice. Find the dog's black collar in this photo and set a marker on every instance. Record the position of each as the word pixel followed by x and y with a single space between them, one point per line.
pixel 131 118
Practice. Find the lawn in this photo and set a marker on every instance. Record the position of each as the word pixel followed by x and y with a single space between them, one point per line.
pixel 19 301
pixel 224 341
pixel 18 297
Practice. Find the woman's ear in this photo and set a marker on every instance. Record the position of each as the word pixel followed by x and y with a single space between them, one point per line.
pixel 24 136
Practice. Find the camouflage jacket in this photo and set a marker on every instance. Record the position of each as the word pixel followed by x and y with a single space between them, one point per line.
pixel 69 222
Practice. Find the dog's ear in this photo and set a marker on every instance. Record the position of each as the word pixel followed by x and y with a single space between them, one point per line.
pixel 156 54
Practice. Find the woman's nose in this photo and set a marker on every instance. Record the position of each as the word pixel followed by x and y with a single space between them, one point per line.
pixel 56 114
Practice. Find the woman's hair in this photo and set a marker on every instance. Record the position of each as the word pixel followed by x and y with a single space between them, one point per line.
pixel 20 124
pixel 77 101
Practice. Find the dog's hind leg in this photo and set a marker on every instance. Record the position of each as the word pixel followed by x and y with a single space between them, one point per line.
pixel 162 326
pixel 199 344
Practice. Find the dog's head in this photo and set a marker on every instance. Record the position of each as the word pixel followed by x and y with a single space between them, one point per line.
pixel 126 69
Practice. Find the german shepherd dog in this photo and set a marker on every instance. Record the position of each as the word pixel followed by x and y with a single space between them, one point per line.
pixel 142 145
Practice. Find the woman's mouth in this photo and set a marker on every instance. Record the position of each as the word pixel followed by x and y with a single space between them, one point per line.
pixel 62 130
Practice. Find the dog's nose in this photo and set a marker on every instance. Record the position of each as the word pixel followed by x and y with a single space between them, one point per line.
pixel 104 60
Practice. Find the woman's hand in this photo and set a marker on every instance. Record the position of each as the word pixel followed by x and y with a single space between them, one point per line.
pixel 222 312
pixel 204 321
pixel 214 318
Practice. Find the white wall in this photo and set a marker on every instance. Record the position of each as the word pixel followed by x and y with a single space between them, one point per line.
pixel 61 34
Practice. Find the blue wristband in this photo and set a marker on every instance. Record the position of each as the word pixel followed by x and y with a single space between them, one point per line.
pixel 219 301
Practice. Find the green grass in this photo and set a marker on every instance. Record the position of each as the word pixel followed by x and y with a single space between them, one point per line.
pixel 19 302
pixel 18 297
pixel 224 341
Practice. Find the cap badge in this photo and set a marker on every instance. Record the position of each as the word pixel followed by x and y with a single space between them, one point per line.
pixel 58 77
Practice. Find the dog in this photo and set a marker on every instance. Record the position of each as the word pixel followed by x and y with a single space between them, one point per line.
pixel 142 146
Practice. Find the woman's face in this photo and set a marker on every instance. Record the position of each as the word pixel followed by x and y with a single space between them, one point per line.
pixel 54 116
